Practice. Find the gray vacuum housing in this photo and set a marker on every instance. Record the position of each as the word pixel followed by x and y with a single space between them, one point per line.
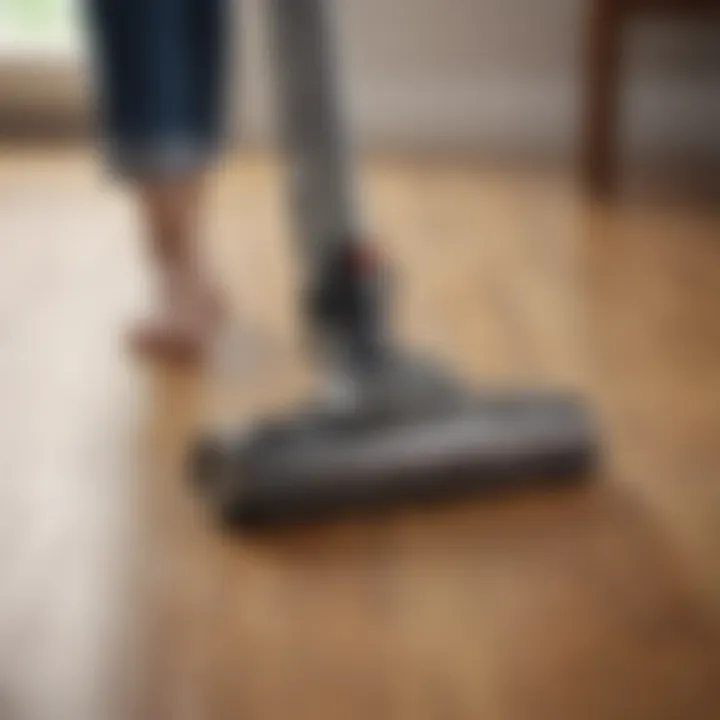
pixel 426 440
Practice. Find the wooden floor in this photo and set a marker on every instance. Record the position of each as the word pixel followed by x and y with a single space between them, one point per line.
pixel 119 598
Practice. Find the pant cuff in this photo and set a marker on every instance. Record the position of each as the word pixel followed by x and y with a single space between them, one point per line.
pixel 156 160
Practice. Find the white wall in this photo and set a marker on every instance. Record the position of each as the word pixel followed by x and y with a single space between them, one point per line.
pixel 502 74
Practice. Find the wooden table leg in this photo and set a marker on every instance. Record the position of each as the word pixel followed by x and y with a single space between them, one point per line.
pixel 600 141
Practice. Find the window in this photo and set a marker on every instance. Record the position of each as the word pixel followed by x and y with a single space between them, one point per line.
pixel 38 27
pixel 42 77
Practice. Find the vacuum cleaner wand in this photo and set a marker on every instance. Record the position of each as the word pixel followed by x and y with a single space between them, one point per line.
pixel 401 428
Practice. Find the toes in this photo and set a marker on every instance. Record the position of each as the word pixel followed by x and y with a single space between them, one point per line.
pixel 184 331
pixel 167 343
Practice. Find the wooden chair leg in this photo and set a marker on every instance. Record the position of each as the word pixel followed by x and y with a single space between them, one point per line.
pixel 600 141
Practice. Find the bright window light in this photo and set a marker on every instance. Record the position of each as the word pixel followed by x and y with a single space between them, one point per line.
pixel 38 27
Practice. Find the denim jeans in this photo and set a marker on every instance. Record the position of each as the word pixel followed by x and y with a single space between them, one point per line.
pixel 159 68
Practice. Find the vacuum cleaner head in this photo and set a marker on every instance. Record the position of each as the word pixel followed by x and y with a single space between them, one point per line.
pixel 418 437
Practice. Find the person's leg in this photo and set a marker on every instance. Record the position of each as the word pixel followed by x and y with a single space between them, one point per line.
pixel 160 66
pixel 189 307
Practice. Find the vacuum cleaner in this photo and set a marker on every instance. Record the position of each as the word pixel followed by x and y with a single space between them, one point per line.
pixel 387 427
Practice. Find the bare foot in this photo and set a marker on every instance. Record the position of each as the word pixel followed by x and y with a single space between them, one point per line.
pixel 186 326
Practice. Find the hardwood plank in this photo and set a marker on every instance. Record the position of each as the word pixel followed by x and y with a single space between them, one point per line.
pixel 70 407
